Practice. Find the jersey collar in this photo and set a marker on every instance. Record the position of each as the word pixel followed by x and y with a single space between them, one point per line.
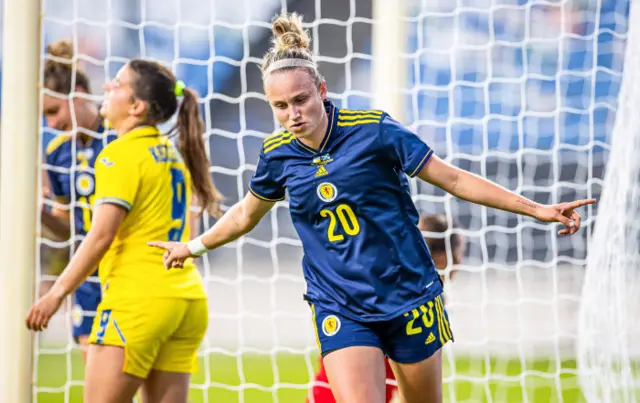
pixel 331 110
pixel 142 131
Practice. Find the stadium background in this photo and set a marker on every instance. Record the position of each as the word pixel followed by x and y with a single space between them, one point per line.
pixel 523 92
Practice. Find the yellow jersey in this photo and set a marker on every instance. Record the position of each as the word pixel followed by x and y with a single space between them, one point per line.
pixel 143 172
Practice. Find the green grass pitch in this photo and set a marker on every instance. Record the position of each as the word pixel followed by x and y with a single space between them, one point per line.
pixel 541 381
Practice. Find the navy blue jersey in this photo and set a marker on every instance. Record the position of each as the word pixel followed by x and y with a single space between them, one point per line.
pixel 71 174
pixel 350 203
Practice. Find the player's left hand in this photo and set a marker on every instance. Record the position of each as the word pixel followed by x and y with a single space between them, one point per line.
pixel 42 311
pixel 565 214
pixel 175 253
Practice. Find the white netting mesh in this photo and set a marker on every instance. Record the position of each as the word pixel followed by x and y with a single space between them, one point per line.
pixel 608 353
pixel 522 92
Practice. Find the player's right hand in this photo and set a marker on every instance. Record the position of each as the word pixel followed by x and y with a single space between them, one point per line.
pixel 564 213
pixel 41 312
pixel 175 253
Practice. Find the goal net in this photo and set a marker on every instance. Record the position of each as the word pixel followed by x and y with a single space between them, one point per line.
pixel 522 92
pixel 608 353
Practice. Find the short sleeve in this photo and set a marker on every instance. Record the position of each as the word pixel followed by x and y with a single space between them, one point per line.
pixel 264 184
pixel 404 146
pixel 117 178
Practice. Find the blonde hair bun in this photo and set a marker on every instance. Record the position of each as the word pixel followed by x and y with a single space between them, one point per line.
pixel 61 49
pixel 289 34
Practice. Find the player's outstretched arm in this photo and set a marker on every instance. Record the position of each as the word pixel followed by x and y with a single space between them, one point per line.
pixel 476 189
pixel 241 218
pixel 106 221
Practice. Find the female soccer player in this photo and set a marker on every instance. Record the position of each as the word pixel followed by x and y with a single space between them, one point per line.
pixel 437 223
pixel 151 321
pixel 371 283
pixel 73 160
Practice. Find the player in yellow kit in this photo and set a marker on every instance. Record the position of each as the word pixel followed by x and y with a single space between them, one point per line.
pixel 151 320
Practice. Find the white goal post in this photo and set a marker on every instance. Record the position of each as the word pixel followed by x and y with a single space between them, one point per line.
pixel 389 64
pixel 522 92
pixel 18 190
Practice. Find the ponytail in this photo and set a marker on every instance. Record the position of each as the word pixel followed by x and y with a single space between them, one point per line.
pixel 191 145
pixel 157 85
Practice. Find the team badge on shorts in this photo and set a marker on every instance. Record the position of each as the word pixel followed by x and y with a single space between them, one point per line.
pixel 330 325
pixel 77 315
pixel 327 192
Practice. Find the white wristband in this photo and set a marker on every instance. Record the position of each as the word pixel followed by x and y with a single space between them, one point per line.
pixel 196 247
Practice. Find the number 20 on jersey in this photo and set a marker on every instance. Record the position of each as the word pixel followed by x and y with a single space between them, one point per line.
pixel 341 220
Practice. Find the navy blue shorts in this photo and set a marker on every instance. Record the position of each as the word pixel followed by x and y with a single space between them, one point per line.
pixel 408 338
pixel 86 300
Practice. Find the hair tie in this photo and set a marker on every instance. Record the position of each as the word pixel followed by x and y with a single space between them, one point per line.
pixel 179 88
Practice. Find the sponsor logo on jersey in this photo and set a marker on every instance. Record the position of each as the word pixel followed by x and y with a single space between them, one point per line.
pixel 330 325
pixel 106 161
pixel 430 339
pixel 320 162
pixel 327 192
pixel 321 171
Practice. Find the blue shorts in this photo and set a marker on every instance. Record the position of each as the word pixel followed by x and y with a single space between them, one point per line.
pixel 86 300
pixel 408 338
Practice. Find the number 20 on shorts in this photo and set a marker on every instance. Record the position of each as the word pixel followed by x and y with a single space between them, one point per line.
pixel 430 312
pixel 347 220
pixel 427 318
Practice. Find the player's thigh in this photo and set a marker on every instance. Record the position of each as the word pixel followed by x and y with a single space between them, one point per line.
pixel 420 382
pixel 83 342
pixel 356 374
pixel 104 380
pixel 140 327
pixel 165 387
pixel 179 353
pixel 352 355
pixel 413 342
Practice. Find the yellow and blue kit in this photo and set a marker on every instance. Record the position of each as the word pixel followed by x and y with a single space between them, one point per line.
pixel 158 316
